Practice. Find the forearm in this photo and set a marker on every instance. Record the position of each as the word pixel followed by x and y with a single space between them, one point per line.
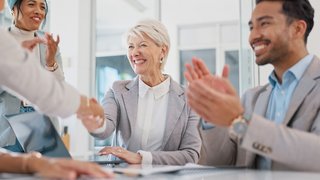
pixel 296 149
pixel 179 157
pixel 105 131
pixel 57 98
pixel 111 113
pixel 19 163
pixel 58 73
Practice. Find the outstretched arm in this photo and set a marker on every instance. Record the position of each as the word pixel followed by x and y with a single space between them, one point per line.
pixel 19 71
pixel 34 163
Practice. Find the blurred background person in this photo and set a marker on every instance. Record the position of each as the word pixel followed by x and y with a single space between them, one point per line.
pixel 28 16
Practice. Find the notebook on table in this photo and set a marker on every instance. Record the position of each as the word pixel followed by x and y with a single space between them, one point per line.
pixel 35 132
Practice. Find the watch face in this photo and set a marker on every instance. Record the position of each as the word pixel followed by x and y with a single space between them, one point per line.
pixel 240 127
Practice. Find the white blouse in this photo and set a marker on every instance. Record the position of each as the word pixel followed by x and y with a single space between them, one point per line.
pixel 151 118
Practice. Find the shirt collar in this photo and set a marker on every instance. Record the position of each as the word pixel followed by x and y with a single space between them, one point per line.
pixel 158 90
pixel 22 33
pixel 294 73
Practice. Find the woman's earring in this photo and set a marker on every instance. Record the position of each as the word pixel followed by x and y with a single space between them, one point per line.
pixel 161 60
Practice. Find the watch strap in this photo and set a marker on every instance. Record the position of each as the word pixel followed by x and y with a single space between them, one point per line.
pixel 52 68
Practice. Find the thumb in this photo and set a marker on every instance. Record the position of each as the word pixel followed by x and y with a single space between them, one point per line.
pixel 225 71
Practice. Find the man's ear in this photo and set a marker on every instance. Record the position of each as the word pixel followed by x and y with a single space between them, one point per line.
pixel 299 28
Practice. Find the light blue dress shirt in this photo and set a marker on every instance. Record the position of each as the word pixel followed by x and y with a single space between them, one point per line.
pixel 280 97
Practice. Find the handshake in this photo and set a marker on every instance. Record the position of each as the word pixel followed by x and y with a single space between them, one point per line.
pixel 91 113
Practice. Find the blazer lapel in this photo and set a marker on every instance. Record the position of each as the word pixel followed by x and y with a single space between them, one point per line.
pixel 176 104
pixel 130 99
pixel 262 102
pixel 260 108
pixel 303 88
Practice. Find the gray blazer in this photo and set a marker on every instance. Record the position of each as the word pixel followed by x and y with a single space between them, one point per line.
pixel 181 142
pixel 294 145
pixel 10 104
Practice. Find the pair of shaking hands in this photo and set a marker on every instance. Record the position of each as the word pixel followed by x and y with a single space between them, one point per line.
pixel 91 113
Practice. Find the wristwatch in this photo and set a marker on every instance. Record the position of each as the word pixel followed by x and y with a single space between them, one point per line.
pixel 239 126
pixel 52 68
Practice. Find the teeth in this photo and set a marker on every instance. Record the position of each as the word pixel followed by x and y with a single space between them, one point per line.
pixel 138 61
pixel 36 18
pixel 257 48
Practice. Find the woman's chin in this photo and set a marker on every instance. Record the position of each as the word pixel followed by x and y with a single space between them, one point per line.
pixel 139 71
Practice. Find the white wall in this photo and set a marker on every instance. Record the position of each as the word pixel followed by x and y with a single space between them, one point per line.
pixel 188 12
pixel 71 20
pixel 314 38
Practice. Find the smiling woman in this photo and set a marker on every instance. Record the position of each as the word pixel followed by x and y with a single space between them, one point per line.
pixel 149 114
pixel 28 16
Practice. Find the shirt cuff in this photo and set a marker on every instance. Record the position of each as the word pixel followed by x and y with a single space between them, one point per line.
pixel 100 129
pixel 206 125
pixel 3 150
pixel 146 157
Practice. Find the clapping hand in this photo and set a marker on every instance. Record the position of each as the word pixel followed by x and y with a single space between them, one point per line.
pixel 30 44
pixel 199 71
pixel 52 47
pixel 211 96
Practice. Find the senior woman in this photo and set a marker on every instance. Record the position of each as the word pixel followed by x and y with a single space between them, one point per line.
pixel 151 112
pixel 28 15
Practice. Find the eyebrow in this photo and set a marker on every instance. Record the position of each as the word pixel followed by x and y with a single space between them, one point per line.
pixel 260 19
pixel 138 43
pixel 42 3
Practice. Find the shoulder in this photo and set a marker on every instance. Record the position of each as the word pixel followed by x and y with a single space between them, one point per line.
pixel 121 85
pixel 176 87
pixel 256 90
pixel 251 96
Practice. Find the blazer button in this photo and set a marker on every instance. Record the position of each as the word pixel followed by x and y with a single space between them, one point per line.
pixel 256 146
pixel 267 150
pixel 262 148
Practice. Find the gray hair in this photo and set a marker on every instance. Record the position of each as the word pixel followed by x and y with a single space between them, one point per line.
pixel 155 30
